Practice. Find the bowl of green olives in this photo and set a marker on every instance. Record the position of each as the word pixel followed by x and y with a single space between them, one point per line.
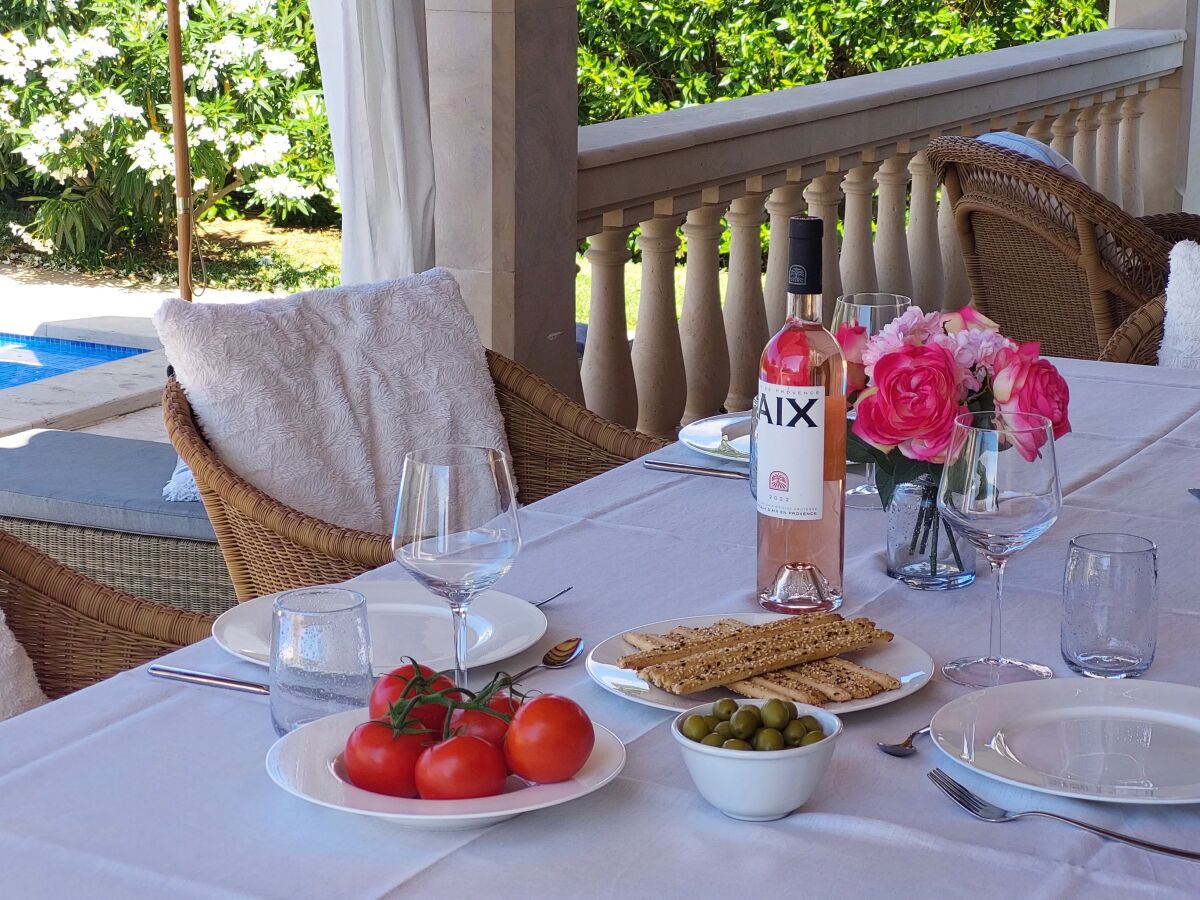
pixel 756 760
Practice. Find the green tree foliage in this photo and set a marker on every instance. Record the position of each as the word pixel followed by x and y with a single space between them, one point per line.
pixel 646 56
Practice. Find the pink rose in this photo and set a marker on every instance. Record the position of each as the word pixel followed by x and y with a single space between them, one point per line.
pixel 853 339
pixel 1024 383
pixel 969 319
pixel 912 404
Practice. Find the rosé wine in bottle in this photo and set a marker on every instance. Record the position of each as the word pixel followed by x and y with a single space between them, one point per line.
pixel 798 445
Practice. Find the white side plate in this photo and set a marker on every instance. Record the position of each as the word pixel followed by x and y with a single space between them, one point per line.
pixel 404 620
pixel 1112 741
pixel 307 763
pixel 704 436
pixel 899 657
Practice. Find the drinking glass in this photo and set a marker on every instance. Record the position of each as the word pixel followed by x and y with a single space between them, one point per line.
pixel 1110 605
pixel 456 527
pixel 320 655
pixel 1000 491
pixel 873 312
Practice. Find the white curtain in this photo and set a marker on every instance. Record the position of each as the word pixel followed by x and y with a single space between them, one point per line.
pixel 373 68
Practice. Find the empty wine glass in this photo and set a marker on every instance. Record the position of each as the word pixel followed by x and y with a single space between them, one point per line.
pixel 872 312
pixel 456 527
pixel 1000 491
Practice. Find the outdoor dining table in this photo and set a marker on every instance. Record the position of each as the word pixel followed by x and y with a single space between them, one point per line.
pixel 137 787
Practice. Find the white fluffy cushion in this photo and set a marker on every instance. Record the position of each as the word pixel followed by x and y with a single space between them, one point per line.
pixel 19 689
pixel 1033 149
pixel 1181 329
pixel 315 398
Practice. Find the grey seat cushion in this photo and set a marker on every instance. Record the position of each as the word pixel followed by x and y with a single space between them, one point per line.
pixel 97 481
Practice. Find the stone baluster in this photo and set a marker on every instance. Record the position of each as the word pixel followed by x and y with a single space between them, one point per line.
pixel 1127 155
pixel 1084 157
pixel 1064 131
pixel 891 243
pixel 956 291
pixel 858 253
pixel 607 373
pixel 924 252
pixel 823 196
pixel 1108 173
pixel 782 203
pixel 1039 129
pixel 701 328
pixel 745 314
pixel 657 353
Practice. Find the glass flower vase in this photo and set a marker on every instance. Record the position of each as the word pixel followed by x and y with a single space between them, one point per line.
pixel 922 550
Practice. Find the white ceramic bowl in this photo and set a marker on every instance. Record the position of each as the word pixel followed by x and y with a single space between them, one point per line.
pixel 758 786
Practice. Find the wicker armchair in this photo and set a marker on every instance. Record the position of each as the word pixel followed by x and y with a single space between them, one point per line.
pixel 77 631
pixel 1139 337
pixel 1048 257
pixel 270 547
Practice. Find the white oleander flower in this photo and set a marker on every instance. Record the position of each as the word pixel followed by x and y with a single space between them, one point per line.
pixel 59 78
pixel 270 150
pixel 284 62
pixel 273 188
pixel 208 81
pixel 152 154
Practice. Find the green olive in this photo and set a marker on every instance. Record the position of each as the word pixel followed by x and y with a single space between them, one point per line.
pixel 794 733
pixel 775 714
pixel 711 722
pixel 811 723
pixel 725 730
pixel 713 740
pixel 735 744
pixel 811 738
pixel 694 728
pixel 768 739
pixel 724 709
pixel 745 722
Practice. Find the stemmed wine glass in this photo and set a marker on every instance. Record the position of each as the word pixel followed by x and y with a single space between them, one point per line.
pixel 456 527
pixel 1000 491
pixel 873 312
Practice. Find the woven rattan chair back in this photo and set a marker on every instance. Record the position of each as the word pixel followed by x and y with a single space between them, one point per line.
pixel 555 443
pixel 78 631
pixel 1048 258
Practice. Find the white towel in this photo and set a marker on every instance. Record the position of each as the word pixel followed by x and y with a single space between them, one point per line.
pixel 19 689
pixel 315 398
pixel 1181 330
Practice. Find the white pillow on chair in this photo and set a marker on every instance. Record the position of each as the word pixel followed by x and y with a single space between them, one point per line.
pixel 1033 149
pixel 1181 330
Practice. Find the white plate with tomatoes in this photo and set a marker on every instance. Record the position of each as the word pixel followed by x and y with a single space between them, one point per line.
pixel 899 657
pixel 405 620
pixel 310 764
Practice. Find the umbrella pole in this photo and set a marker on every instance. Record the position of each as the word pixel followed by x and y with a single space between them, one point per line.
pixel 183 165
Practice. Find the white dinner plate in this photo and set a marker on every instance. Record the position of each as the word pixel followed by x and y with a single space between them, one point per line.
pixel 899 657
pixel 308 764
pixel 1113 741
pixel 404 620
pixel 704 436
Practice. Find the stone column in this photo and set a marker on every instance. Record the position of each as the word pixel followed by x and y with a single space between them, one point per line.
pixel 503 118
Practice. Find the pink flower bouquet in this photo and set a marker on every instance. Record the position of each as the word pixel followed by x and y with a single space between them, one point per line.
pixel 909 382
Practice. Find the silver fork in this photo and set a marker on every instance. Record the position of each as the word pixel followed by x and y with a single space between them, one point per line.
pixel 981 809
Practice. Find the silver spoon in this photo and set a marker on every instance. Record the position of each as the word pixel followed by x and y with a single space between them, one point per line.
pixel 170 673
pixel 554 596
pixel 905 747
pixel 558 656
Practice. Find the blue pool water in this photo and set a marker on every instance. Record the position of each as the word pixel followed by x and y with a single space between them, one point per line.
pixel 24 359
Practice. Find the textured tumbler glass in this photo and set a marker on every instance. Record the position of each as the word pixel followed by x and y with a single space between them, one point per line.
pixel 320 655
pixel 1110 605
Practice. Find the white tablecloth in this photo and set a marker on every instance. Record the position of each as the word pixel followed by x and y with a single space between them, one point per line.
pixel 141 788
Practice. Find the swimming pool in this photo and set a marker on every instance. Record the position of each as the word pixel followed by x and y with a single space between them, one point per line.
pixel 24 359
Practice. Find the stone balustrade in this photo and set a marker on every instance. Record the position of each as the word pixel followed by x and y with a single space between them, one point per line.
pixel 850 152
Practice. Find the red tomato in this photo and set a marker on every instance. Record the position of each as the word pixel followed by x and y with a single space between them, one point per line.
pixel 549 739
pixel 396 686
pixel 460 768
pixel 480 724
pixel 378 760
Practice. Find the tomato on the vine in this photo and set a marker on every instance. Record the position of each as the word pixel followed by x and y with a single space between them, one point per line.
pixel 482 724
pixel 549 739
pixel 403 684
pixel 377 759
pixel 460 768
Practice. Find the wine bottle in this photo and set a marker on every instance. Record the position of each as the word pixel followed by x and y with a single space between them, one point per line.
pixel 798 445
